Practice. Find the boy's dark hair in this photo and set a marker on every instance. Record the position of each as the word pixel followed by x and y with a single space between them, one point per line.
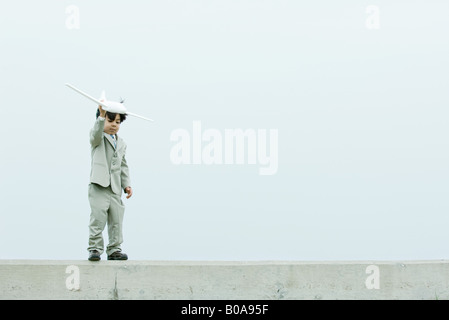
pixel 111 116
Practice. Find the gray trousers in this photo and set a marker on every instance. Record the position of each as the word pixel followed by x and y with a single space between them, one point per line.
pixel 106 207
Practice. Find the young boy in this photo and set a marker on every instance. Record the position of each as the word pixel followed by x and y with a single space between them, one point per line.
pixel 109 175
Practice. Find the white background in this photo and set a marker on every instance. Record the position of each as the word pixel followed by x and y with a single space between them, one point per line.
pixel 362 116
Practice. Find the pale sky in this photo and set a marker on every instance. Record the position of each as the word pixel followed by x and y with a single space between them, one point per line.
pixel 356 92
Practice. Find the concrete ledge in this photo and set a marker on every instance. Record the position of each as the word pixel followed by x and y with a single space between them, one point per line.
pixel 224 280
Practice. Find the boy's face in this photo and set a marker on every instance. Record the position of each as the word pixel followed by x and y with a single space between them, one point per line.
pixel 112 126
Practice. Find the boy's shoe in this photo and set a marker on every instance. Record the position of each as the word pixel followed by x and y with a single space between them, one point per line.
pixel 94 255
pixel 118 256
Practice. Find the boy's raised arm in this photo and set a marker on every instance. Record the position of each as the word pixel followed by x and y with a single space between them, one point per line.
pixel 96 134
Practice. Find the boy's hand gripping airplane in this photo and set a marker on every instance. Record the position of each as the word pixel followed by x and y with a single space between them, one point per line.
pixel 111 106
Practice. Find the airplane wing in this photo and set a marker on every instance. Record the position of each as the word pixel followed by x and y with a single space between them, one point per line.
pixel 87 96
pixel 136 115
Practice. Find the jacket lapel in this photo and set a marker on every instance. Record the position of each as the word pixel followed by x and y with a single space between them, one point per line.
pixel 109 138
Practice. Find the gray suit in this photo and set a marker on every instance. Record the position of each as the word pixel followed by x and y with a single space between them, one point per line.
pixel 108 165
pixel 108 177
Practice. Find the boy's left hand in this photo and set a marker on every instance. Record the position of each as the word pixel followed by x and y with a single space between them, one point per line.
pixel 129 192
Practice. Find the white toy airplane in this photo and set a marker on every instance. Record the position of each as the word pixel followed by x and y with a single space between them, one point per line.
pixel 111 106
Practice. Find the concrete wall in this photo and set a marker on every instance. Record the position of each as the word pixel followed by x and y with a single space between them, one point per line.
pixel 253 280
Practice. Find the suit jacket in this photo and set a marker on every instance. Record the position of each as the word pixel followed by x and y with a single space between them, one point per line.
pixel 108 163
